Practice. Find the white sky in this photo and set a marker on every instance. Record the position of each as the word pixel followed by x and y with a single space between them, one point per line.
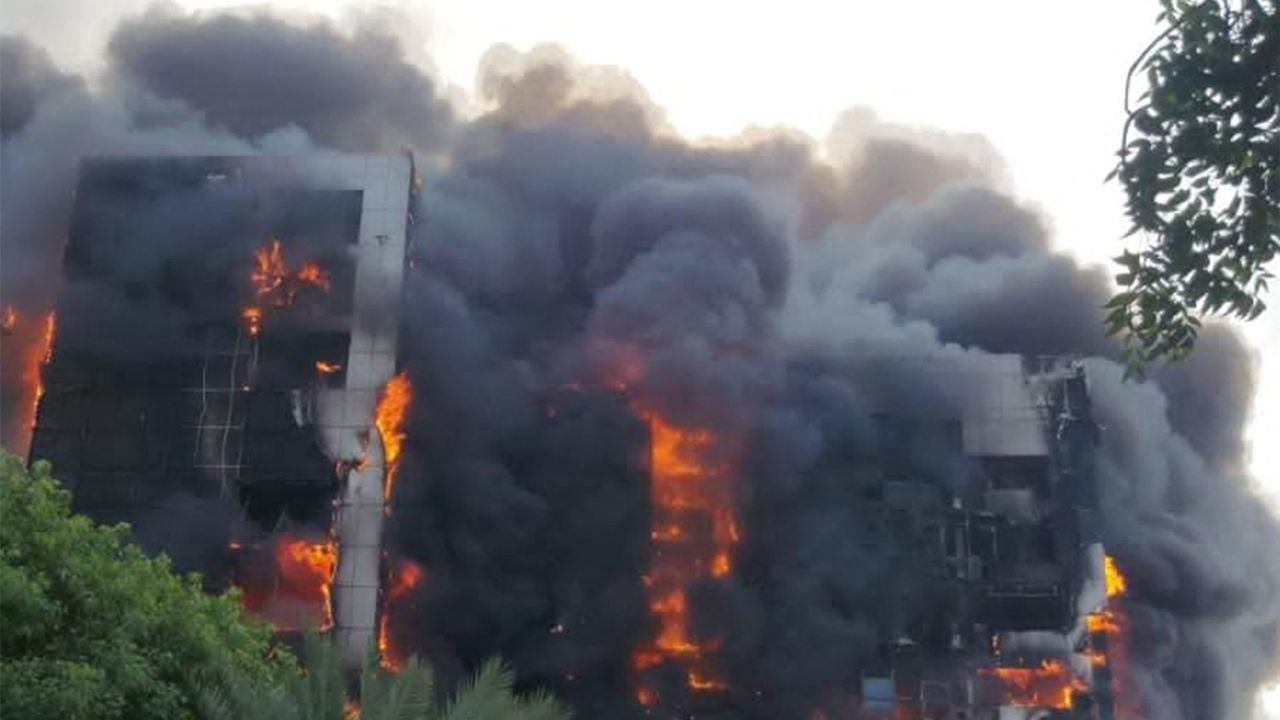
pixel 1044 81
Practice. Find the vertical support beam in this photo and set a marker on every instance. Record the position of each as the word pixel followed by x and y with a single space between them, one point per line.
pixel 380 252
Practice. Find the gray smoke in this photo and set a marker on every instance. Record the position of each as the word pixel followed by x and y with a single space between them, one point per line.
pixel 257 74
pixel 760 290
pixel 29 78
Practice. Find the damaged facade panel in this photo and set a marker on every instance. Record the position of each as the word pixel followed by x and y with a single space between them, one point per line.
pixel 1017 559
pixel 223 331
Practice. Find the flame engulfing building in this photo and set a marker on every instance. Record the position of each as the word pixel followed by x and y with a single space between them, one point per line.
pixel 226 356
pixel 224 330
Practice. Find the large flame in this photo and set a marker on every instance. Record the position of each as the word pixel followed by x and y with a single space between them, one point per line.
pixel 1116 583
pixel 275 285
pixel 30 346
pixel 693 533
pixel 1052 684
pixel 296 594
pixel 1113 623
pixel 389 418
pixel 403 577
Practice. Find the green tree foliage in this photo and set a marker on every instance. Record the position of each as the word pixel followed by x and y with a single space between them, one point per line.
pixel 94 628
pixel 1200 164
pixel 319 694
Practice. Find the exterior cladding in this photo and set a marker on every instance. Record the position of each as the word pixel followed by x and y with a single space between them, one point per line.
pixel 157 394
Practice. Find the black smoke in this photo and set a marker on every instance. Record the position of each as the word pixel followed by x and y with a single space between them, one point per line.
pixel 771 285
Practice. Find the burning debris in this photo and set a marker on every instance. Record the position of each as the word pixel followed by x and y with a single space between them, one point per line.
pixel 816 481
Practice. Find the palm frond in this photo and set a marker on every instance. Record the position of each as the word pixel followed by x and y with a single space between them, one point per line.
pixel 486 696
pixel 542 705
pixel 240 700
pixel 320 693
pixel 407 695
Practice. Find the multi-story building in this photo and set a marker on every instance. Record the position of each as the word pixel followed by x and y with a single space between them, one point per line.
pixel 224 329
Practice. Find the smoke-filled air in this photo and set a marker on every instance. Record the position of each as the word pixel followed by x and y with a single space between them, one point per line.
pixel 640 377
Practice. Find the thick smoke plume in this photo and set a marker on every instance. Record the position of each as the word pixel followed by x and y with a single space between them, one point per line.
pixel 771 286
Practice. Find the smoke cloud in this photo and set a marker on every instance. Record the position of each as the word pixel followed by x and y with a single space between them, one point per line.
pixel 774 287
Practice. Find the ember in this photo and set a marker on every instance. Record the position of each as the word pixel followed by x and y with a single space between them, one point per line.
pixel 327 368
pixel 9 320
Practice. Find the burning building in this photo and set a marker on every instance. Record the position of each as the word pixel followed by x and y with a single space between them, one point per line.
pixel 773 427
pixel 225 330
pixel 227 335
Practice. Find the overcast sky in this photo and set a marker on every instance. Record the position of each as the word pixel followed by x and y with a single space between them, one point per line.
pixel 1043 81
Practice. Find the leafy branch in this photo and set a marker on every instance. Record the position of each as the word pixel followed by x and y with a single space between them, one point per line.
pixel 1201 175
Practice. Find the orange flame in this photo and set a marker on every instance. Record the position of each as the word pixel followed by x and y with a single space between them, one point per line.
pixel 1113 622
pixel 312 274
pixel 298 595
pixel 50 330
pixel 405 576
pixel 275 285
pixel 1102 622
pixel 327 368
pixel 389 418
pixel 252 317
pixel 46 356
pixel 1051 685
pixel 1116 583
pixel 33 348
pixel 693 535
pixel 269 271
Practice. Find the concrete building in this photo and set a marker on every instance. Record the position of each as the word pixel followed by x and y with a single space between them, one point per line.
pixel 223 332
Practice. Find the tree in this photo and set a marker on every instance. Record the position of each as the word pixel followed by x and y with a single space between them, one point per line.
pixel 1200 164
pixel 320 694
pixel 94 628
